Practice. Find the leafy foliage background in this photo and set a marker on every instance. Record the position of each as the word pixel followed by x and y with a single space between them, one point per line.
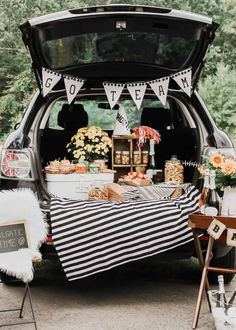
pixel 17 84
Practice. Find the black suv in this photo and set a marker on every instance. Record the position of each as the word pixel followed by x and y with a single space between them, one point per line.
pixel 114 43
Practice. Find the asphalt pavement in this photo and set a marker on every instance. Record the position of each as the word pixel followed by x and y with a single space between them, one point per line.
pixel 137 296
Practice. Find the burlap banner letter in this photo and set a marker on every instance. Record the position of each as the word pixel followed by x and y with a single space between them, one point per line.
pixel 113 92
pixel 49 80
pixel 160 88
pixel 137 92
pixel 231 237
pixel 72 86
pixel 183 79
pixel 216 228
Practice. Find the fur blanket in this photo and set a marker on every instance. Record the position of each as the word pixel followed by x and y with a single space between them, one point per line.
pixel 21 204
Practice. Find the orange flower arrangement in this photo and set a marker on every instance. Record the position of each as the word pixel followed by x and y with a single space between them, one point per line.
pixel 216 160
pixel 225 168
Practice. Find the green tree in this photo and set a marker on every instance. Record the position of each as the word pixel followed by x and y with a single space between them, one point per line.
pixel 17 83
pixel 219 94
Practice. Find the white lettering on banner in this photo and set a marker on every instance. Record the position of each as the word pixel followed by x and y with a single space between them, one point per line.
pixel 49 80
pixel 184 79
pixel 73 86
pixel 160 88
pixel 231 237
pixel 113 92
pixel 216 228
pixel 137 92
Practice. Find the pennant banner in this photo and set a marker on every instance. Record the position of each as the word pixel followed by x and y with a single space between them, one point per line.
pixel 216 228
pixel 72 86
pixel 160 88
pixel 137 92
pixel 121 126
pixel 113 92
pixel 50 79
pixel 231 237
pixel 184 79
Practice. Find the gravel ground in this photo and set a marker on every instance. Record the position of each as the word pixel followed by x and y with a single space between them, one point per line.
pixel 138 296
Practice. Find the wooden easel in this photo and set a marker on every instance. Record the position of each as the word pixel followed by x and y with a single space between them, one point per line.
pixel 21 241
pixel 26 292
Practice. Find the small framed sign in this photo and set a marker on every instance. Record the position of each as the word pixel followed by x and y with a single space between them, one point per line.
pixel 13 236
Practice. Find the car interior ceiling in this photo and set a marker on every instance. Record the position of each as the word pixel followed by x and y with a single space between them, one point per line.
pixel 177 137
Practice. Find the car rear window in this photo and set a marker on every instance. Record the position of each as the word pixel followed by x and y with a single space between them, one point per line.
pixel 100 114
pixel 144 40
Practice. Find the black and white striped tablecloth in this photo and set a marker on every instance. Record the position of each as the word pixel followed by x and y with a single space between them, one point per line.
pixel 94 236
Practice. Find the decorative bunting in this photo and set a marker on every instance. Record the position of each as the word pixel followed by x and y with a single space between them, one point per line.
pixel 121 126
pixel 231 237
pixel 72 86
pixel 49 80
pixel 137 92
pixel 216 228
pixel 160 88
pixel 113 92
pixel 184 79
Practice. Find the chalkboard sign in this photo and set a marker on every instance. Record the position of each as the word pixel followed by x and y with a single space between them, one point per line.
pixel 13 236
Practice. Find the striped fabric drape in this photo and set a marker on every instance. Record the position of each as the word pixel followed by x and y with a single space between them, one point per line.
pixel 94 236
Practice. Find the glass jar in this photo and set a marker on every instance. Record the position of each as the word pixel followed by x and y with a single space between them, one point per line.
pixel 80 168
pixel 117 157
pixel 137 159
pixel 94 168
pixel 125 158
pixel 174 170
pixel 145 157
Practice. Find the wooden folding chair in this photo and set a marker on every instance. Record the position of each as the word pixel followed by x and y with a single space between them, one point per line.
pixel 199 224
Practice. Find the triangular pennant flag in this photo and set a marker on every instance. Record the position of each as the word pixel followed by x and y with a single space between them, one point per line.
pixel 231 237
pixel 121 126
pixel 50 79
pixel 113 92
pixel 137 92
pixel 183 79
pixel 160 88
pixel 72 86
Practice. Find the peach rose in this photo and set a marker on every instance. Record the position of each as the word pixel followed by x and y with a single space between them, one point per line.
pixel 228 167
pixel 216 160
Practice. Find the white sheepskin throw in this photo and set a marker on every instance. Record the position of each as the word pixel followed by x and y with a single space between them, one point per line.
pixel 15 205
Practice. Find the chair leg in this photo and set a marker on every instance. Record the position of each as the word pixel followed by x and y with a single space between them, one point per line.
pixel 198 249
pixel 27 290
pixel 23 300
pixel 203 283
pixel 31 307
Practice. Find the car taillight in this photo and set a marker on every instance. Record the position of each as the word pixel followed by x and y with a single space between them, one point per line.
pixel 16 164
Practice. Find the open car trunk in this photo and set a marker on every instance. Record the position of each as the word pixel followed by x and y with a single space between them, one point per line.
pixel 175 123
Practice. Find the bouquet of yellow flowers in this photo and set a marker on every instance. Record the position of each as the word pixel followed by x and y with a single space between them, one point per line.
pixel 89 144
pixel 225 169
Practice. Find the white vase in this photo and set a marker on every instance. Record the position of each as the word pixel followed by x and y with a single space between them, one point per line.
pixel 229 202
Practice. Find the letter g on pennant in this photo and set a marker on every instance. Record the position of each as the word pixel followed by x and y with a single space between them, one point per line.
pixel 49 80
